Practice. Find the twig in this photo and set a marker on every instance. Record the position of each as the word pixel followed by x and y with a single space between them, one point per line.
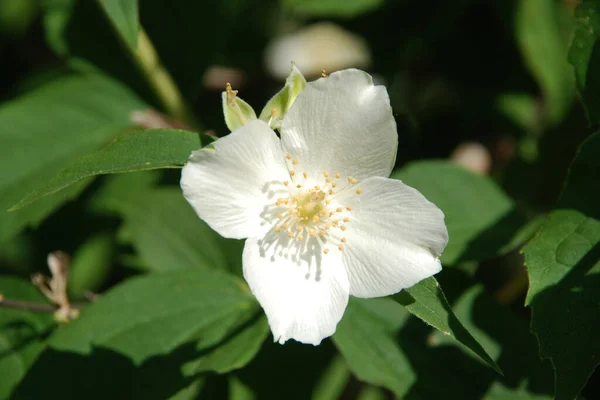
pixel 32 306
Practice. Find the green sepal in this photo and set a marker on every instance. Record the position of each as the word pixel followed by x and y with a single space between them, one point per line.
pixel 280 104
pixel 236 111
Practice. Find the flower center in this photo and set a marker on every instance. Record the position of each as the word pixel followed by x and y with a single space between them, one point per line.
pixel 314 212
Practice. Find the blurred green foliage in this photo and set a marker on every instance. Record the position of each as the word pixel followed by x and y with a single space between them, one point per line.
pixel 172 318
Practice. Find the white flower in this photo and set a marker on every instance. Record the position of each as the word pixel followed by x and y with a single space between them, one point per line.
pixel 322 220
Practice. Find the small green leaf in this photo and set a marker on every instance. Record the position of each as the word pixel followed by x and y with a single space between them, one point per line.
pixel 91 265
pixel 280 104
pixel 21 333
pixel 543 37
pixel 427 301
pixel 481 219
pixel 235 352
pixel 564 276
pixel 123 15
pixel 47 129
pixel 134 151
pixel 366 341
pixel 333 8
pixel 236 111
pixel 584 55
pixel 161 225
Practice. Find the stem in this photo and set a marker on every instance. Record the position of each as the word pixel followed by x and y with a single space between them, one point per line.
pixel 159 79
pixel 27 305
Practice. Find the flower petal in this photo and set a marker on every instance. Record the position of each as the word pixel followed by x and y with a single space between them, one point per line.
pixel 231 184
pixel 342 123
pixel 304 298
pixel 394 237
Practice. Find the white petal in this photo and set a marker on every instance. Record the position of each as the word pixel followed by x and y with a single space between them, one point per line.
pixel 230 185
pixel 342 123
pixel 395 236
pixel 303 298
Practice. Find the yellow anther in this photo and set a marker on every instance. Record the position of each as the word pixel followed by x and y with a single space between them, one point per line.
pixel 305 175
pixel 343 227
pixel 323 212
pixel 341 247
pixel 346 219
pixel 327 201
pixel 326 174
pixel 288 156
pixel 333 184
pixel 312 233
pixel 326 251
pixel 331 192
pixel 339 209
pixel 277 229
pixel 300 237
pixel 335 223
pixel 352 180
pixel 344 240
pixel 298 186
pixel 358 191
pixel 285 225
pixel 286 183
pixel 292 173
pixel 305 218
pixel 338 176
pixel 322 232
pixel 280 215
pixel 299 228
pixel 349 208
pixel 316 218
pixel 295 162
pixel 290 234
pixel 328 180
pixel 317 187
pixel 327 226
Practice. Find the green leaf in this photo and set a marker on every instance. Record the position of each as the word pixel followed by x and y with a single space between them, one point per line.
pixel 20 333
pixel 426 301
pixel 543 37
pixel 481 219
pixel 155 314
pixel 508 340
pixel 333 8
pixel 123 14
pixel 134 151
pixel 135 340
pixel 584 55
pixel 46 130
pixel 162 226
pixel 91 265
pixel 446 370
pixel 234 353
pixel 366 341
pixel 564 276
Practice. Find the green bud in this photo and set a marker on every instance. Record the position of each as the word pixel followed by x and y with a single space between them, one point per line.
pixel 236 111
pixel 280 104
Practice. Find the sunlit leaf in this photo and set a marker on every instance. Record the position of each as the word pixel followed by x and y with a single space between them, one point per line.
pixel 480 217
pixel 564 276
pixel 46 130
pixel 366 341
pixel 134 151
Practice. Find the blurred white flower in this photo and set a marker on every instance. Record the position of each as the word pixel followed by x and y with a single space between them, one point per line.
pixel 318 47
pixel 322 220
